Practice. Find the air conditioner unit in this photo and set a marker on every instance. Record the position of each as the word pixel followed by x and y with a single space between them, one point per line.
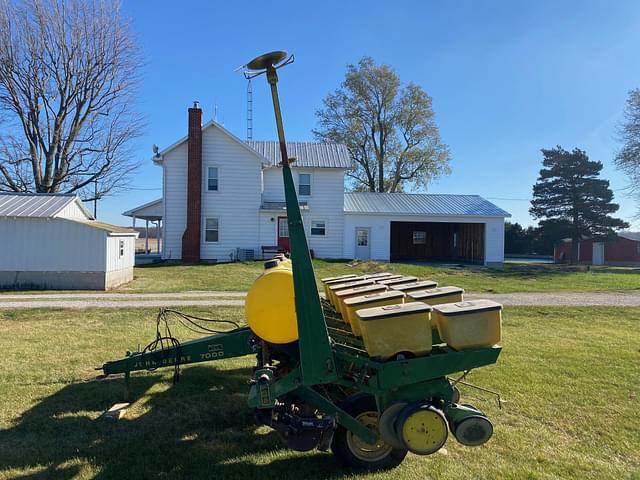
pixel 245 254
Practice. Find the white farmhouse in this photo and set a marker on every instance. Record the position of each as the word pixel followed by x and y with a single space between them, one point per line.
pixel 224 197
pixel 51 241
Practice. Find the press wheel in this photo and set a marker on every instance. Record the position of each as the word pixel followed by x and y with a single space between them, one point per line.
pixel 353 452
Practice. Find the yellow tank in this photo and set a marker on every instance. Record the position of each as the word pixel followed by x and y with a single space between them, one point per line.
pixel 342 295
pixel 270 306
pixel 331 280
pixel 394 329
pixel 474 324
pixel 353 304
pixel 285 261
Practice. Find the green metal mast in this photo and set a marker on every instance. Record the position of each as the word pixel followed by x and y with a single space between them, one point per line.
pixel 316 356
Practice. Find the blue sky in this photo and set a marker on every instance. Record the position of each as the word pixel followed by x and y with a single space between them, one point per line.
pixel 507 78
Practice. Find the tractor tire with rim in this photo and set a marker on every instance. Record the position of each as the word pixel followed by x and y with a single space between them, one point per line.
pixel 351 451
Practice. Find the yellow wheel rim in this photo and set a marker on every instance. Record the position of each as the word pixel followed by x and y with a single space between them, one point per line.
pixel 424 431
pixel 368 452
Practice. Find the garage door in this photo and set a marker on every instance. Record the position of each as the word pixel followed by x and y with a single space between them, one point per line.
pixel 460 242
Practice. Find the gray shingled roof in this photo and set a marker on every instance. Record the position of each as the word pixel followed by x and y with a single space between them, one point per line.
pixel 421 204
pixel 37 205
pixel 307 154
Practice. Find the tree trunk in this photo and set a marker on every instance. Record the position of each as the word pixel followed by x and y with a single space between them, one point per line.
pixel 575 249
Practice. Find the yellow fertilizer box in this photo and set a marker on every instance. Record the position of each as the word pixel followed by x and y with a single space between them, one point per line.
pixel 396 329
pixel 380 299
pixel 474 324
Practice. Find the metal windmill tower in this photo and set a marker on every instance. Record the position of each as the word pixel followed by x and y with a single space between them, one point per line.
pixel 249 110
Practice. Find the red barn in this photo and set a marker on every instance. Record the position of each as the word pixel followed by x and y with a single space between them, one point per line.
pixel 623 249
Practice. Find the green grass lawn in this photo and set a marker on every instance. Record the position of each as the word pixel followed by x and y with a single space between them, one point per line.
pixel 510 278
pixel 570 377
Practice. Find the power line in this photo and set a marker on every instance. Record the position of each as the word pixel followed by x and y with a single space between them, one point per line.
pixel 509 199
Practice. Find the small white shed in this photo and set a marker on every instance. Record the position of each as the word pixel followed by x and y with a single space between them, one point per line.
pixel 50 241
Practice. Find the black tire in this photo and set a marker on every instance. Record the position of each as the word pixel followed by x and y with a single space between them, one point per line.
pixel 342 445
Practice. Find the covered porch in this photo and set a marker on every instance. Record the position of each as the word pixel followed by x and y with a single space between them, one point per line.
pixel 151 214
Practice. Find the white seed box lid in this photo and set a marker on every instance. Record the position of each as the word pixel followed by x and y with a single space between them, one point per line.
pixel 363 289
pixel 373 297
pixel 392 311
pixel 399 279
pixel 424 284
pixel 462 308
pixel 435 292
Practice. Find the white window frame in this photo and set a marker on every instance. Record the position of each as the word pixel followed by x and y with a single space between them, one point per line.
pixel 422 237
pixel 300 184
pixel 120 248
pixel 282 221
pixel 324 228
pixel 207 178
pixel 217 229
pixel 367 230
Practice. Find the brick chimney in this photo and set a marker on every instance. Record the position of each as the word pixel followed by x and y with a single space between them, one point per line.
pixel 192 232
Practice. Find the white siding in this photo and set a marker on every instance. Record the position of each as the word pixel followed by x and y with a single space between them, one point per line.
pixel 267 234
pixel 381 233
pixel 494 241
pixel 38 244
pixel 175 201
pixel 236 204
pixel 72 210
pixel 326 202
pixel 114 260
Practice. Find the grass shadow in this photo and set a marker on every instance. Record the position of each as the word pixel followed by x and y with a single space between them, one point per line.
pixel 199 428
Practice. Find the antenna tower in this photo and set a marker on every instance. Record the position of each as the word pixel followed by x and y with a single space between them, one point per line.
pixel 249 110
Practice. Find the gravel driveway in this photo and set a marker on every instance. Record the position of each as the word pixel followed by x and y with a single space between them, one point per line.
pixel 141 300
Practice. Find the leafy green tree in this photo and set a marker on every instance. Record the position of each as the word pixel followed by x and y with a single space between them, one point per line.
pixel 569 190
pixel 628 158
pixel 389 129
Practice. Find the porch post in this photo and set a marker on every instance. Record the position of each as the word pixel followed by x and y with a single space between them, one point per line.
pixel 158 236
pixel 146 237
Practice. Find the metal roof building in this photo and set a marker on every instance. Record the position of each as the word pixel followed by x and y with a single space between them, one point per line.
pixel 223 195
pixel 307 154
pixel 37 206
pixel 423 227
pixel 421 204
pixel 51 241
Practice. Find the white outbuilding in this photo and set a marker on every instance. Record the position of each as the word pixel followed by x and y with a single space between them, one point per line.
pixel 423 227
pixel 51 241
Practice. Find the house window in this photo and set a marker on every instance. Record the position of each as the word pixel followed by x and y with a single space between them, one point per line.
pixel 304 184
pixel 419 238
pixel 211 230
pixel 212 179
pixel 318 227
pixel 362 237
pixel 121 248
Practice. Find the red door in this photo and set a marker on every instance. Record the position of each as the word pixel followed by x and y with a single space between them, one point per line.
pixel 283 233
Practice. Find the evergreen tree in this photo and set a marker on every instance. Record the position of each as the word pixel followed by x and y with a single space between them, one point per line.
pixel 517 239
pixel 569 190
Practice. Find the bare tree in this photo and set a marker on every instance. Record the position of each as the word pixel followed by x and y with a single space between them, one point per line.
pixel 389 130
pixel 69 72
pixel 628 158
